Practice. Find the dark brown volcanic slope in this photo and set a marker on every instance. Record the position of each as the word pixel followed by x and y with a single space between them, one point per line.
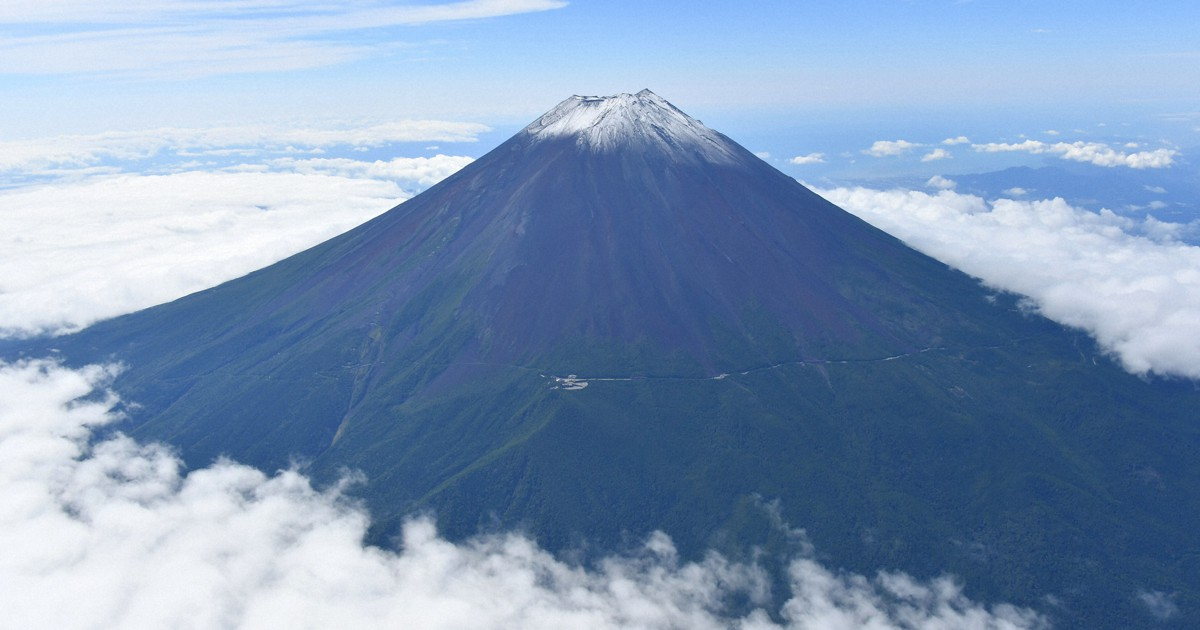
pixel 741 340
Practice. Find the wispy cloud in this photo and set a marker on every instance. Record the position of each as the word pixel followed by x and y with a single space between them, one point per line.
pixel 33 156
pixel 1129 284
pixel 187 39
pixel 956 140
pixel 423 171
pixel 1089 152
pixel 1159 605
pixel 300 15
pixel 114 534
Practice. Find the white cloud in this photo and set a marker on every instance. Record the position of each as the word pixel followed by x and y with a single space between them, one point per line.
pixel 957 140
pixel 41 154
pixel 940 183
pixel 95 242
pixel 1158 190
pixel 1016 191
pixel 187 39
pixel 1090 152
pixel 298 15
pixel 78 252
pixel 936 154
pixel 1052 132
pixel 890 148
pixel 1138 295
pixel 112 534
pixel 811 158
pixel 425 171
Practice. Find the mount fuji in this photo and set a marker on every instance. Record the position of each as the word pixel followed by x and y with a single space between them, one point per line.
pixel 620 321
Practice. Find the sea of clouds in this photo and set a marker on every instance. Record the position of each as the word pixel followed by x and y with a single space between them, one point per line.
pixel 114 533
pixel 100 225
pixel 1131 284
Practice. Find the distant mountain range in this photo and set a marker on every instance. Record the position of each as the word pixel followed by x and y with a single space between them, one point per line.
pixel 620 320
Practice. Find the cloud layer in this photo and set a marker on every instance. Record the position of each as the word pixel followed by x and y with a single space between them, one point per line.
pixel 73 254
pixel 64 155
pixel 1129 154
pixel 86 239
pixel 425 172
pixel 114 535
pixel 1129 284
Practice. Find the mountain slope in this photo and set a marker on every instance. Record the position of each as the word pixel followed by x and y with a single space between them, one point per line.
pixel 733 338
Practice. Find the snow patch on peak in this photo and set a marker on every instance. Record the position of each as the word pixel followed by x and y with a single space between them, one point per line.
pixel 642 120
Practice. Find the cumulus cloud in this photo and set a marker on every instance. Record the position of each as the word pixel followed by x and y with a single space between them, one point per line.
pixel 936 154
pixel 956 140
pixel 941 183
pixel 890 148
pixel 1089 152
pixel 188 39
pixel 113 534
pixel 1128 283
pixel 811 158
pixel 1015 191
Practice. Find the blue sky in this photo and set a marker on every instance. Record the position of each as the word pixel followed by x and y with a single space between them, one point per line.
pixel 784 77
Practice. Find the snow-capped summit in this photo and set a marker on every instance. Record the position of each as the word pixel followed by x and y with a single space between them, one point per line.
pixel 604 123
